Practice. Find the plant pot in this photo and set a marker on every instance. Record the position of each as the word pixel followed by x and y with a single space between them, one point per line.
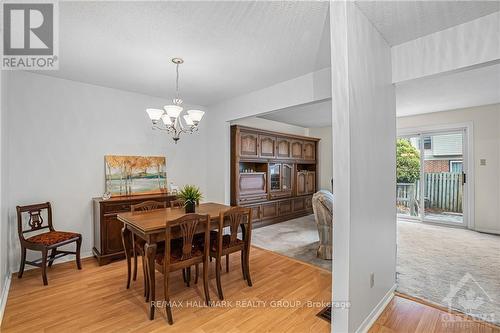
pixel 190 207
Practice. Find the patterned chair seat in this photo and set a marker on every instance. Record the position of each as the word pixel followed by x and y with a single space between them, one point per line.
pixel 226 240
pixel 52 237
pixel 176 251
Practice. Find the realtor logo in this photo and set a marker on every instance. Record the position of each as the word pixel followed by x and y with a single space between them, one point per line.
pixel 468 297
pixel 29 36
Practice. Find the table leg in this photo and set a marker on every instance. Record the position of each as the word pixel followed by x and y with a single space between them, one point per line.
pixel 150 250
pixel 126 240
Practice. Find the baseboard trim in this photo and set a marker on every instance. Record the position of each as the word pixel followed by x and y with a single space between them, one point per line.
pixel 487 231
pixel 5 295
pixel 377 311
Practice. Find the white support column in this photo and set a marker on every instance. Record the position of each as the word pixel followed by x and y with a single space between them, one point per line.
pixel 364 129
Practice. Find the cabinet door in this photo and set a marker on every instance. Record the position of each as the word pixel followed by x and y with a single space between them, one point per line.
pixel 285 207
pixel 255 213
pixel 308 202
pixel 297 149
pixel 287 172
pixel 269 210
pixel 283 148
pixel 113 239
pixel 310 182
pixel 309 150
pixel 267 146
pixel 301 183
pixel 252 183
pixel 299 204
pixel 274 177
pixel 249 144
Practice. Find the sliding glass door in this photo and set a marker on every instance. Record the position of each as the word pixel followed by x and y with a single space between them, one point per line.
pixel 431 170
pixel 408 176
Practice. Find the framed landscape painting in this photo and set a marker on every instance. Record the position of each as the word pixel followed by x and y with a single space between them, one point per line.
pixel 134 175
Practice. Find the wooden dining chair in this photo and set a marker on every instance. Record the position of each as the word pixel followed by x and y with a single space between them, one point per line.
pixel 44 242
pixel 138 243
pixel 224 245
pixel 186 253
pixel 178 203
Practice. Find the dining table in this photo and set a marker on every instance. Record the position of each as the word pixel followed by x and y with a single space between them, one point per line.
pixel 150 226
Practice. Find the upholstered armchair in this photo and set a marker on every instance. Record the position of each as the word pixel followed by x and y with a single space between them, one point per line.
pixel 323 213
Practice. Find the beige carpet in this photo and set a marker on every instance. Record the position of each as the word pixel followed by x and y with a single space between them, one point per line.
pixel 297 238
pixel 451 267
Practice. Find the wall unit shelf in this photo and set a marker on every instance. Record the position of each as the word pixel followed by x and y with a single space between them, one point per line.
pixel 272 173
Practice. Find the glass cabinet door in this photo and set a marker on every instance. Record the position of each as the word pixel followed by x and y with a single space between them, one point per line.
pixel 275 176
pixel 287 177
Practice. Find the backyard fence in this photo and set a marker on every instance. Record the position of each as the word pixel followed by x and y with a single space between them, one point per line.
pixel 443 191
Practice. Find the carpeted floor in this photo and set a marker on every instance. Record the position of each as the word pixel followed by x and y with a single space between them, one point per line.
pixel 297 238
pixel 451 267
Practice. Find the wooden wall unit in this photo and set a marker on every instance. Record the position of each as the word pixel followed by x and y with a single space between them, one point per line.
pixel 107 229
pixel 272 173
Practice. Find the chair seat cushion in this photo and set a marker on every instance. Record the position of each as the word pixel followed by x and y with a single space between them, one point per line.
pixel 53 237
pixel 226 241
pixel 176 251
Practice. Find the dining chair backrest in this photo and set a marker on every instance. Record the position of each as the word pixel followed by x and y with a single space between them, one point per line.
pixel 146 206
pixel 236 217
pixel 189 225
pixel 35 218
pixel 178 203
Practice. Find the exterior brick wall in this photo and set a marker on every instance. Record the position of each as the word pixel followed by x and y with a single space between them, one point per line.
pixel 437 166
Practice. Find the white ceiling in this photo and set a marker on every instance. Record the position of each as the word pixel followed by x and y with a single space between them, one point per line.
pixel 480 86
pixel 229 48
pixel 309 115
pixel 402 21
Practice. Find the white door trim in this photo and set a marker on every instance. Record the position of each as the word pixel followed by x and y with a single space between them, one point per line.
pixel 469 193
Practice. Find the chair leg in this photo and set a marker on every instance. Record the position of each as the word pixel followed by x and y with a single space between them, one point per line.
pixel 217 277
pixel 243 264
pixel 188 276
pixel 196 273
pixel 78 258
pixel 247 265
pixel 205 282
pixel 44 267
pixel 134 275
pixel 168 310
pixel 227 263
pixel 52 257
pixel 23 261
pixel 145 277
pixel 184 275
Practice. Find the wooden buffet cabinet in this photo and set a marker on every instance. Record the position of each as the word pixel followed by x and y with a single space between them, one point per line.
pixel 272 173
pixel 107 229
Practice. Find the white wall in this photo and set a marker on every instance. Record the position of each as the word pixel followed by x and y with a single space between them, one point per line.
pixel 4 234
pixel 59 132
pixel 486 123
pixel 364 130
pixel 464 45
pixel 325 155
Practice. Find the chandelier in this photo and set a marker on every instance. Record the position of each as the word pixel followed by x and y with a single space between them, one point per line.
pixel 169 119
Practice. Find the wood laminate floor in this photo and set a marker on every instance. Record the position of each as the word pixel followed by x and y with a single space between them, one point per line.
pixel 407 315
pixel 95 300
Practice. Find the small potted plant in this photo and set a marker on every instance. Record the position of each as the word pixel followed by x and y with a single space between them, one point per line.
pixel 191 195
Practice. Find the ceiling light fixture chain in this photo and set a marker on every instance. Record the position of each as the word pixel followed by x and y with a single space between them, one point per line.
pixel 170 115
